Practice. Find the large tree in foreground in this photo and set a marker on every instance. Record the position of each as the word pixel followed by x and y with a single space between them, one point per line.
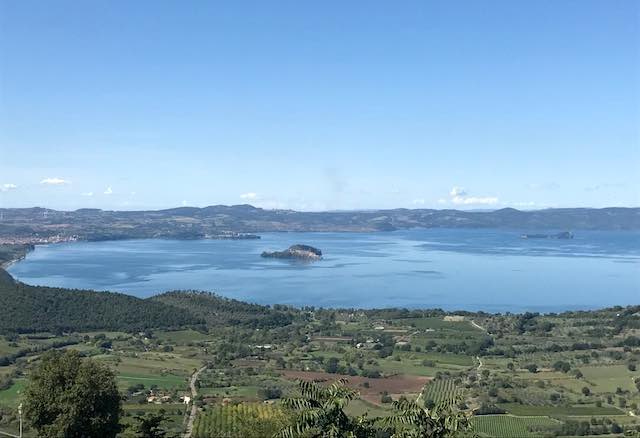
pixel 320 413
pixel 150 425
pixel 71 397
pixel 411 420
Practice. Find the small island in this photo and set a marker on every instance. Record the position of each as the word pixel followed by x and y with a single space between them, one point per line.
pixel 563 235
pixel 300 252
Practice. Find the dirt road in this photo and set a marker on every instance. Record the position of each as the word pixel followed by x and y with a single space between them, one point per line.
pixel 194 408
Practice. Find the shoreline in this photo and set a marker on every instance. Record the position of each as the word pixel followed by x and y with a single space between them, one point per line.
pixel 21 256
pixel 446 310
pixel 19 253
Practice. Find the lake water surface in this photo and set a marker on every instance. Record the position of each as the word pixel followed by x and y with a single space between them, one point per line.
pixel 492 270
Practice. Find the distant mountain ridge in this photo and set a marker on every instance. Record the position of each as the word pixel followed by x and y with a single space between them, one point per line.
pixel 193 222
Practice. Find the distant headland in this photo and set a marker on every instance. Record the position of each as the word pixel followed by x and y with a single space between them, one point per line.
pixel 40 225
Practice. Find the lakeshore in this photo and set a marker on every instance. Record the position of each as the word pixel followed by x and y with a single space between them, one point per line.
pixel 452 269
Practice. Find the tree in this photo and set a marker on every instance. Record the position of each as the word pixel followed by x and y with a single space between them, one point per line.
pixel 412 421
pixel 586 391
pixel 69 397
pixel 321 413
pixel 562 365
pixel 332 365
pixel 253 425
pixel 150 425
pixel 269 393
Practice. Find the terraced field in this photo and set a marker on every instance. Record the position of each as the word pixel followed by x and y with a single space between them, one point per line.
pixel 511 426
pixel 442 392
pixel 231 420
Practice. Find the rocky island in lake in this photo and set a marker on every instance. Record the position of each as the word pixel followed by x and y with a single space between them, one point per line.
pixel 301 252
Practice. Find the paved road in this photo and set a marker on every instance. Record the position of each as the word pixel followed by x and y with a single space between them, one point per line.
pixel 194 408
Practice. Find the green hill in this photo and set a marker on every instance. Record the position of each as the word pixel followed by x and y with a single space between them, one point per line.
pixel 216 310
pixel 25 308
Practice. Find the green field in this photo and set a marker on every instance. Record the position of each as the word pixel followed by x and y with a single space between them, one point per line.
pixel 174 412
pixel 182 336
pixel 501 426
pixel 164 370
pixel 233 420
pixel 230 391
pixel 437 323
pixel 11 396
pixel 442 392
pixel 575 410
pixel 608 378
pixel 360 407
pixel 149 380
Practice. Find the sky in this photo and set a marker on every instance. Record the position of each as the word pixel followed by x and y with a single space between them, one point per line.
pixel 320 105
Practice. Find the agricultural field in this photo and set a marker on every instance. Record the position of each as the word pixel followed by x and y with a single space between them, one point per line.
pixel 370 389
pixel 444 393
pixel 511 426
pixel 139 366
pixel 571 410
pixel 241 420
pixel 174 412
pixel 515 374
pixel 11 396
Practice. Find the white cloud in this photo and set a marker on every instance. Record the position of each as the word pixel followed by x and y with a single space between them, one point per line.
pixel 184 203
pixel 459 196
pixel 472 200
pixel 442 201
pixel 457 191
pixel 418 201
pixel 249 196
pixel 108 191
pixel 87 194
pixel 7 187
pixel 54 181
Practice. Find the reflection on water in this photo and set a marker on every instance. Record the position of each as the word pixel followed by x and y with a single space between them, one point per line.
pixel 463 269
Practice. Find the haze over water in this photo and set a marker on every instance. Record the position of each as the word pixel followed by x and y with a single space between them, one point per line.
pixel 492 270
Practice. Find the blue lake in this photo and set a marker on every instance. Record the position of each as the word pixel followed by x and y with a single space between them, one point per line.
pixel 492 270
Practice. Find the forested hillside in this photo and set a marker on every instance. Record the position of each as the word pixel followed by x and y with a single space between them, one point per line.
pixel 25 308
pixel 9 253
pixel 218 310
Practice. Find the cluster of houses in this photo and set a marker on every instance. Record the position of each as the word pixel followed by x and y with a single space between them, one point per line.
pixel 36 239
pixel 159 398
